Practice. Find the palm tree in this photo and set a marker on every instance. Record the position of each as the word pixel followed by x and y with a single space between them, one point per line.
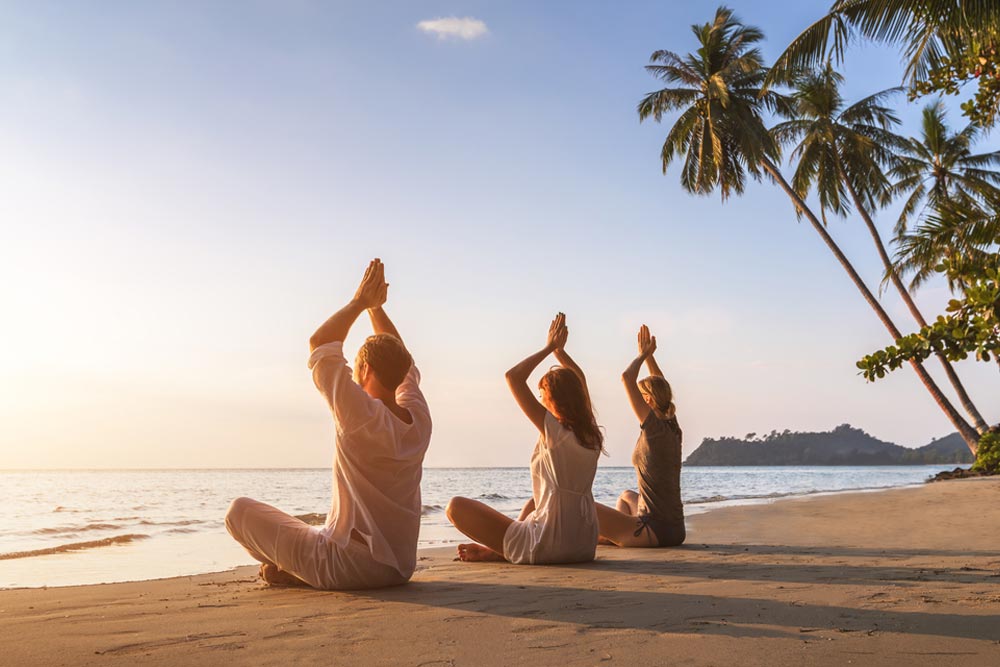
pixel 927 31
pixel 954 195
pixel 962 236
pixel 939 169
pixel 722 136
pixel 720 132
pixel 841 151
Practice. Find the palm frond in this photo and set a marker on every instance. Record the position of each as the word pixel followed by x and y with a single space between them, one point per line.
pixel 871 110
pixel 926 30
pixel 810 48
pixel 956 232
pixel 662 101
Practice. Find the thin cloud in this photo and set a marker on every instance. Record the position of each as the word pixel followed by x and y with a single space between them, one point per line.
pixel 453 27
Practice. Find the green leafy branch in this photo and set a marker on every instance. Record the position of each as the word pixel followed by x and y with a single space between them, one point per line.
pixel 970 327
pixel 963 63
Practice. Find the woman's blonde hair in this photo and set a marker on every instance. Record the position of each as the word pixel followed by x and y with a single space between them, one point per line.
pixel 663 395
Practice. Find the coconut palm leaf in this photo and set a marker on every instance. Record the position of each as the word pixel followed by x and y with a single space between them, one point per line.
pixel 958 233
pixel 939 167
pixel 926 30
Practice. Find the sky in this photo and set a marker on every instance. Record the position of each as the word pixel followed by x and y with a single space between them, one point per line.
pixel 187 190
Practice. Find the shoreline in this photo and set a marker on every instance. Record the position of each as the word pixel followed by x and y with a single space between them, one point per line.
pixel 902 577
pixel 692 509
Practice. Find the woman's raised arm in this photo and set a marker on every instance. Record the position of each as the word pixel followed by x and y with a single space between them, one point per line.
pixel 517 377
pixel 630 377
pixel 653 367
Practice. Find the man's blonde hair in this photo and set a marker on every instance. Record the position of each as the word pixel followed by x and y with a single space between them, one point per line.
pixel 387 358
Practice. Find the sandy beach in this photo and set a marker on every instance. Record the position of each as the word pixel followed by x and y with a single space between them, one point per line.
pixel 901 577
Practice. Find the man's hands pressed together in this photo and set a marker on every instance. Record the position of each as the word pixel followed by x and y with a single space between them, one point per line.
pixel 373 290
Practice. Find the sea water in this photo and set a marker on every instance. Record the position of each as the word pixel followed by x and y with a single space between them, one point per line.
pixel 94 526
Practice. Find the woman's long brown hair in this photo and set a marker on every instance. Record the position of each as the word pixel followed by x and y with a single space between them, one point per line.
pixel 572 406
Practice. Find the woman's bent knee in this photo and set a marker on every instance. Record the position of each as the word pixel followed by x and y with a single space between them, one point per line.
pixel 628 502
pixel 455 507
pixel 629 496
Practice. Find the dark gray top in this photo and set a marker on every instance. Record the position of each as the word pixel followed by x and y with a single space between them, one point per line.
pixel 657 461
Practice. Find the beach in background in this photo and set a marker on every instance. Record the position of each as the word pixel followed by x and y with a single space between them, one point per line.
pixel 87 527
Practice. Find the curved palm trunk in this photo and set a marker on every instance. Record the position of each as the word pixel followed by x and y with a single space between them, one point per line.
pixel 969 434
pixel 949 370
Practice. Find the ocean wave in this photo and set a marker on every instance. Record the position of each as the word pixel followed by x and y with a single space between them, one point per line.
pixel 188 522
pixel 786 494
pixel 493 496
pixel 77 529
pixel 180 531
pixel 430 509
pixel 759 496
pixel 75 546
pixel 710 499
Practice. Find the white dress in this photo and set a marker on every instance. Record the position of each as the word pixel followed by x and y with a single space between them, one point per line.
pixel 563 527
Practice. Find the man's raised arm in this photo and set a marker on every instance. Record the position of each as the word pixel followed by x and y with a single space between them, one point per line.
pixel 371 294
pixel 381 322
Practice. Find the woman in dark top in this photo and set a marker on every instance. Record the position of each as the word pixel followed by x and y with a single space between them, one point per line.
pixel 653 517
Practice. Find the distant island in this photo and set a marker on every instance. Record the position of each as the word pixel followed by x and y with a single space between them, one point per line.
pixel 843 446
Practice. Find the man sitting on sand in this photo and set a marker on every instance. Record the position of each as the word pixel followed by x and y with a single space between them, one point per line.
pixel 383 428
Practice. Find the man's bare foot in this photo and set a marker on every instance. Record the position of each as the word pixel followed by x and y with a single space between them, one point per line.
pixel 275 577
pixel 477 552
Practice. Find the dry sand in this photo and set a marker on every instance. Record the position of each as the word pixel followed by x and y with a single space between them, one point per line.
pixel 901 577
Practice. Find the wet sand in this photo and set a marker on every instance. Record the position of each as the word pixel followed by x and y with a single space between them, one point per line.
pixel 900 577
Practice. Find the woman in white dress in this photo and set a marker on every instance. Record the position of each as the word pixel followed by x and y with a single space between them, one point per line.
pixel 559 523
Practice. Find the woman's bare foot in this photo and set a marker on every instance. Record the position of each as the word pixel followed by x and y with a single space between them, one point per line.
pixel 477 552
pixel 275 577
pixel 605 541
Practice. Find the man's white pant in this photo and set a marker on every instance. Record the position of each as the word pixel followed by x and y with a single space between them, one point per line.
pixel 273 537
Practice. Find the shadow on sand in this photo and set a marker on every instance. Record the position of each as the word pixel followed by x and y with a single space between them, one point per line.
pixel 676 612
pixel 666 612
